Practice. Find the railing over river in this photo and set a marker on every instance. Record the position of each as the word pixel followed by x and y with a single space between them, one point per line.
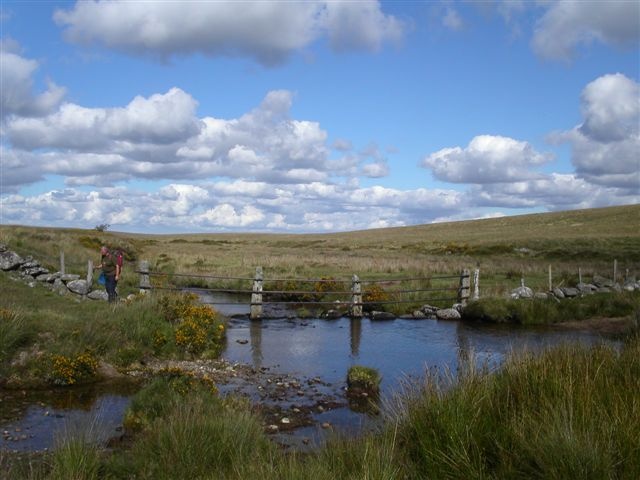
pixel 356 296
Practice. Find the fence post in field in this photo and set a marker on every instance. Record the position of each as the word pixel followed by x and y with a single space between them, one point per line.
pixel 476 284
pixel 256 296
pixel 615 271
pixel 356 297
pixel 89 272
pixel 465 287
pixel 579 276
pixel 145 284
pixel 550 280
pixel 62 262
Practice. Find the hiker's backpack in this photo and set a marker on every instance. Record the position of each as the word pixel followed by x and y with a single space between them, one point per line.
pixel 119 258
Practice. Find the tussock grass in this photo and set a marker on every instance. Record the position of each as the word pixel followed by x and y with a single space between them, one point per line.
pixel 547 311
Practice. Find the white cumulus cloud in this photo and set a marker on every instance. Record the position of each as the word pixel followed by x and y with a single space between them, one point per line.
pixel 606 146
pixel 487 159
pixel 232 29
pixel 568 24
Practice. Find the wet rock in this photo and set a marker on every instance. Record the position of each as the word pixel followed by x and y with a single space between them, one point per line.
pixel 448 314
pixel 242 342
pixel 419 314
pixel 326 425
pixel 375 315
pixel 429 310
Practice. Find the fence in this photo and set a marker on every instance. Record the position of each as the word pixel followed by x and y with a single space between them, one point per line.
pixel 355 297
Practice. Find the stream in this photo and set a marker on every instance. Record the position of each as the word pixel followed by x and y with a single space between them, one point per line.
pixel 313 351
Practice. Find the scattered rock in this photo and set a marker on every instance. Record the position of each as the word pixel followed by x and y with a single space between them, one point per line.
pixel 375 315
pixel 448 314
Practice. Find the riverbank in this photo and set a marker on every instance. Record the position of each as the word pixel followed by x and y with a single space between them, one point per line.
pixel 566 413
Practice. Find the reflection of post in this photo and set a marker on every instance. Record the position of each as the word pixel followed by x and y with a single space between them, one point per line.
pixel 356 334
pixel 465 355
pixel 256 296
pixel 255 334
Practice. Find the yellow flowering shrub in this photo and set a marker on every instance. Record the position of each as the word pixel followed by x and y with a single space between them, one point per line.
pixel 66 370
pixel 198 328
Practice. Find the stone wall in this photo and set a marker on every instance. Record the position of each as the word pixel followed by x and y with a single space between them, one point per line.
pixel 33 273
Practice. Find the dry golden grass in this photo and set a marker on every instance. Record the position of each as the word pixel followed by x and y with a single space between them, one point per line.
pixel 504 248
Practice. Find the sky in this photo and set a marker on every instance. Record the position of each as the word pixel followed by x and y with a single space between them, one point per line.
pixel 316 116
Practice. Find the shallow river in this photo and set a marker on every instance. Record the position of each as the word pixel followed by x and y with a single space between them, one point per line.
pixel 401 350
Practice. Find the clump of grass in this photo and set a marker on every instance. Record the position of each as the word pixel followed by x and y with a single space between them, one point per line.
pixel 362 378
pixel 13 333
pixel 569 413
pixel 75 458
pixel 546 311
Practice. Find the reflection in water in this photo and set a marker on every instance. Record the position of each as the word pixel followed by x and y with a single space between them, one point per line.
pixel 355 330
pixel 255 334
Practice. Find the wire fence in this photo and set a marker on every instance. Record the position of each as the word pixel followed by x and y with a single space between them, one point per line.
pixel 363 295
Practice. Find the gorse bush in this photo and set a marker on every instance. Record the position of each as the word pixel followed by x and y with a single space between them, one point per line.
pixel 197 328
pixel 67 370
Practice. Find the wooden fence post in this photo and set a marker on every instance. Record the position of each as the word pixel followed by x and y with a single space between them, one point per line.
pixel 476 284
pixel 256 296
pixel 89 272
pixel 145 284
pixel 356 297
pixel 465 287
pixel 62 262
pixel 550 280
pixel 615 271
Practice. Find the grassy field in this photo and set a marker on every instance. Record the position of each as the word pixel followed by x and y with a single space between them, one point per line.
pixel 570 413
pixel 504 249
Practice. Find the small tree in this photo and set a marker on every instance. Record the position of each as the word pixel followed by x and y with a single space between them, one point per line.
pixel 103 227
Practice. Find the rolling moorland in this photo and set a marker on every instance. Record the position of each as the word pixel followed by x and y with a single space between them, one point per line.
pixel 572 412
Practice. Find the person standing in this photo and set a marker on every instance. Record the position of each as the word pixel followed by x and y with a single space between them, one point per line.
pixel 111 269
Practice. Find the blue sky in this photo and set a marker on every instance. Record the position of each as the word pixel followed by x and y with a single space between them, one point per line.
pixel 201 116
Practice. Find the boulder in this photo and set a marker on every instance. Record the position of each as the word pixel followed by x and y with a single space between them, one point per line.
pixel 98 295
pixel 448 314
pixel 586 288
pixel 34 271
pixel 375 315
pixel 45 278
pixel 570 292
pixel 522 292
pixel 69 277
pixel 10 260
pixel 558 293
pixel 418 314
pixel 602 281
pixel 541 295
pixel 429 310
pixel 81 287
